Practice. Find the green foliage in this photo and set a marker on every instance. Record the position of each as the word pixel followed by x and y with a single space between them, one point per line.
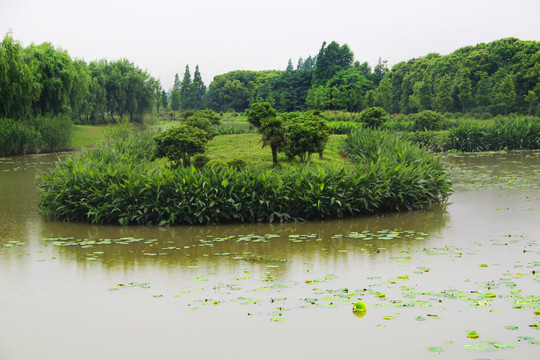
pixel 180 143
pixel 258 112
pixel 175 94
pixel 117 189
pixel 217 164
pixel 273 134
pixel 200 160
pixel 39 134
pixel 201 122
pixel 306 134
pixel 373 117
pixel 427 120
pixel 413 175
pixel 187 96
pixel 237 164
pixel 330 60
pixel 19 88
pixel 433 140
pixel 214 118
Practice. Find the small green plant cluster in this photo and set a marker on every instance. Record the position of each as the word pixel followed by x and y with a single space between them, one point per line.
pixel 38 134
pixel 373 117
pixel 341 127
pixel 522 133
pixel 414 176
pixel 427 120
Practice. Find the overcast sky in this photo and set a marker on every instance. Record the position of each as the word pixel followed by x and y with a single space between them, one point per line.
pixel 162 36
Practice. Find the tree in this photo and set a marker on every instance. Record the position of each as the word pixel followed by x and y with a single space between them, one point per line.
pixel 258 112
pixel 380 70
pixel 164 101
pixel 373 117
pixel 186 92
pixel 506 93
pixel 199 89
pixel 307 134
pixel 464 91
pixel 532 101
pixel 443 99
pixel 290 66
pixel 55 76
pixel 330 60
pixel 383 94
pixel 18 85
pixel 317 98
pixel 273 134
pixel 180 143
pixel 483 89
pixel 175 94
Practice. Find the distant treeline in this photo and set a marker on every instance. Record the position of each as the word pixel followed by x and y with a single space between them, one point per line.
pixel 40 80
pixel 487 79
pixel 500 77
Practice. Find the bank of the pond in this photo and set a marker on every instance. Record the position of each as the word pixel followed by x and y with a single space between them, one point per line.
pixel 116 185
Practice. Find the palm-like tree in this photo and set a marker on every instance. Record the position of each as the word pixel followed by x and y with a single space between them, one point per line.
pixel 273 134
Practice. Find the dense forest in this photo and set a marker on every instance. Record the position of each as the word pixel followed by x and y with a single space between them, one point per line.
pixel 500 77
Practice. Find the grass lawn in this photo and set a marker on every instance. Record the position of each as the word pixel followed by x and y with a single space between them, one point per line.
pixel 87 135
pixel 248 147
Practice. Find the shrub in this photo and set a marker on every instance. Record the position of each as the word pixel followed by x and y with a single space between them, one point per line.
pixel 307 135
pixel 237 164
pixel 35 135
pixel 427 120
pixel 200 160
pixel 218 164
pixel 202 123
pixel 258 112
pixel 180 143
pixel 373 117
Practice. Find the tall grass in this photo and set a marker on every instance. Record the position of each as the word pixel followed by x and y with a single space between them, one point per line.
pixel 39 134
pixel 414 176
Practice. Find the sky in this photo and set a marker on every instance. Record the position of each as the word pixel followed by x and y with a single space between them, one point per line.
pixel 163 36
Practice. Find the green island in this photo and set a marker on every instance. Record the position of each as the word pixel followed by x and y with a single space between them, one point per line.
pixel 329 138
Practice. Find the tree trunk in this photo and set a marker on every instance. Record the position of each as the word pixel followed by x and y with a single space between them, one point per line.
pixel 274 155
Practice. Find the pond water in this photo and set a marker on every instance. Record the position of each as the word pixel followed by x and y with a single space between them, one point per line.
pixel 260 291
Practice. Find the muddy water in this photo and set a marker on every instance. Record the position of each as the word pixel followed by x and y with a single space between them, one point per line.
pixel 77 291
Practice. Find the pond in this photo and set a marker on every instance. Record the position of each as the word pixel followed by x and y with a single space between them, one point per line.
pixel 429 278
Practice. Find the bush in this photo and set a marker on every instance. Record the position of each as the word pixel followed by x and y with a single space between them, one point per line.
pixel 258 112
pixel 414 176
pixel 200 160
pixel 307 135
pixel 427 120
pixel 218 164
pixel 39 134
pixel 373 117
pixel 180 143
pixel 237 164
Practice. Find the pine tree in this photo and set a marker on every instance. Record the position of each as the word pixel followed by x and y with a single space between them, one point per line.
pixel 186 91
pixel 290 66
pixel 175 94
pixel 163 100
pixel 199 89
